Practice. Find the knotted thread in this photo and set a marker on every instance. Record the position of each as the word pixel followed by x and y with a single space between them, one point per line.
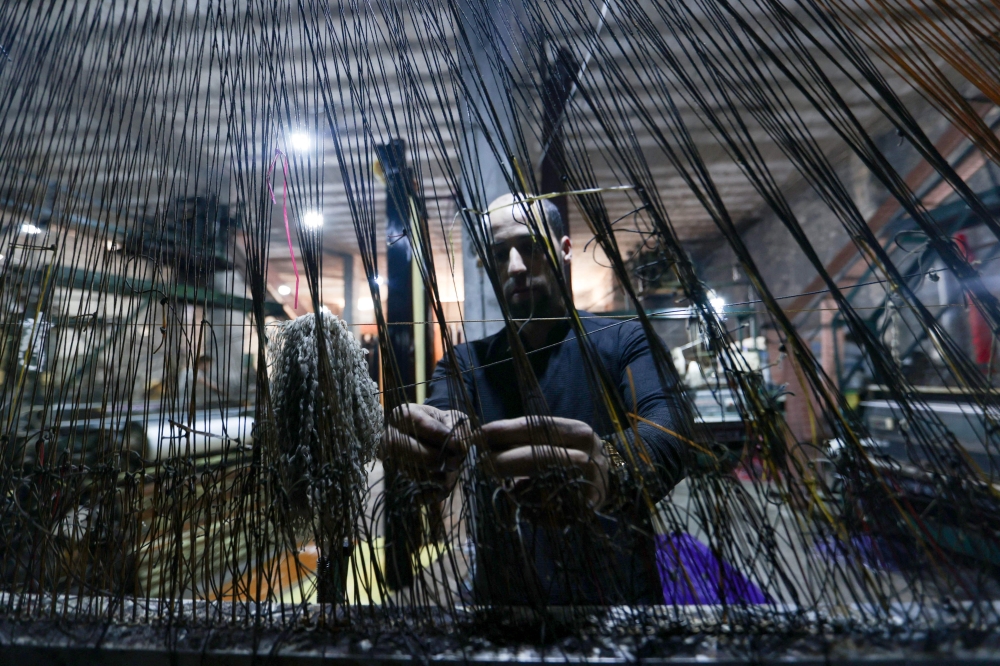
pixel 323 473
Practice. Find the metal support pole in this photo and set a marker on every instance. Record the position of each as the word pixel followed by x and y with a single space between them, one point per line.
pixel 402 518
pixel 558 83
pixel 399 270
pixel 347 261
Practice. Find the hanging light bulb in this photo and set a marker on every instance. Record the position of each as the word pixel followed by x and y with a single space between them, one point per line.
pixel 717 302
pixel 312 220
pixel 300 141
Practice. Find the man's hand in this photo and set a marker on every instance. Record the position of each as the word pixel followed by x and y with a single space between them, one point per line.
pixel 426 443
pixel 532 446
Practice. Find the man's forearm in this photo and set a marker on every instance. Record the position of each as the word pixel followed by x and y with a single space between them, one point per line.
pixel 654 461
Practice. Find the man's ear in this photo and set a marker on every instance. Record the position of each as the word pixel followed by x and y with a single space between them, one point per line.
pixel 566 245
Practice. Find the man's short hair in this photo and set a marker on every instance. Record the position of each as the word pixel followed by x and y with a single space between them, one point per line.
pixel 545 211
pixel 554 218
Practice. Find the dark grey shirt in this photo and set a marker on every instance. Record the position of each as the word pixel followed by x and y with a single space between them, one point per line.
pixel 606 564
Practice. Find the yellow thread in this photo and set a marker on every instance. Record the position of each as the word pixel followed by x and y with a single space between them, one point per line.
pixel 674 434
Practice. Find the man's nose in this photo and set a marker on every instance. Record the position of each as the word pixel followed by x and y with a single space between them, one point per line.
pixel 515 264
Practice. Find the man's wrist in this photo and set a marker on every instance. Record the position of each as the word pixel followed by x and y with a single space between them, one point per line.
pixel 618 476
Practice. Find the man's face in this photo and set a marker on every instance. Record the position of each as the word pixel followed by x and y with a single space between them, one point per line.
pixel 529 284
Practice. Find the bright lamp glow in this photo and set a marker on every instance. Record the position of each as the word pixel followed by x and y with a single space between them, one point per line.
pixel 284 290
pixel 717 302
pixel 366 304
pixel 312 220
pixel 300 141
pixel 30 229
pixel 379 280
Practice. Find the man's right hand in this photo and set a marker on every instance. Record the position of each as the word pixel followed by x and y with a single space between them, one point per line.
pixel 426 443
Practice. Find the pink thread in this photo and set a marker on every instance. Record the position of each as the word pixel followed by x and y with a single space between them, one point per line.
pixel 284 210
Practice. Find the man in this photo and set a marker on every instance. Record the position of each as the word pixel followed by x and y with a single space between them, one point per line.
pixel 562 473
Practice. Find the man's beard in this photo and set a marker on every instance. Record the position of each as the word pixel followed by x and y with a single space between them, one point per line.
pixel 535 304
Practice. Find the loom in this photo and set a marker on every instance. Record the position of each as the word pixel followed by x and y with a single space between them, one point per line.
pixel 190 427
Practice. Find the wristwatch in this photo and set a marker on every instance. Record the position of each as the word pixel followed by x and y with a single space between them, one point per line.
pixel 618 476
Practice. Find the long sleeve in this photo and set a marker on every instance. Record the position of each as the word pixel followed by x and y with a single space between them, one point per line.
pixel 646 395
pixel 443 389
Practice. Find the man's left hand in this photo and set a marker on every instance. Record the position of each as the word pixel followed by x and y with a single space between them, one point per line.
pixel 530 447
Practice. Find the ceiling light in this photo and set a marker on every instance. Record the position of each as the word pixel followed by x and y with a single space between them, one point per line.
pixel 30 229
pixel 312 220
pixel 284 290
pixel 366 304
pixel 300 141
pixel 717 302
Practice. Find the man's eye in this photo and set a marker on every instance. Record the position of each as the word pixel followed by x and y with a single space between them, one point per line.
pixel 533 248
pixel 499 256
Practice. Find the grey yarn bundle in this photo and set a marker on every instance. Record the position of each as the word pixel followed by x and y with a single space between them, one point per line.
pixel 324 475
